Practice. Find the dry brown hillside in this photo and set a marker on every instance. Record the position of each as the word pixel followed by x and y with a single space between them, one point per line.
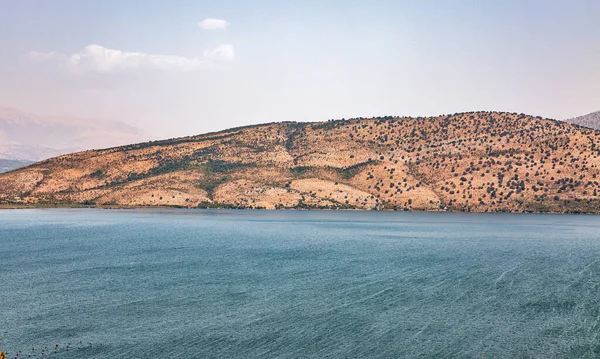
pixel 481 161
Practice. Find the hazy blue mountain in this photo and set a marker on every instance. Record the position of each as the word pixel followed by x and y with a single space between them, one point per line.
pixel 591 120
pixel 27 136
pixel 8 165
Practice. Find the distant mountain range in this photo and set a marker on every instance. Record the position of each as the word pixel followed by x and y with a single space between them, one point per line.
pixel 27 137
pixel 475 162
pixel 591 120
pixel 8 165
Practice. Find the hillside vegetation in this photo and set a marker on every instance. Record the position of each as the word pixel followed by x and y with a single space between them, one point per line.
pixel 480 161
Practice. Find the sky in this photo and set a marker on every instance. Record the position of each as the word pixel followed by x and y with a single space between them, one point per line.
pixel 176 68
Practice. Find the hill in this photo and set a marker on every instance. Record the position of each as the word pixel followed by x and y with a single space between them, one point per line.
pixel 27 136
pixel 591 120
pixel 478 161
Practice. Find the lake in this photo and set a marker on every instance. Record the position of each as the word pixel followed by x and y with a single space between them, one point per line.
pixel 296 284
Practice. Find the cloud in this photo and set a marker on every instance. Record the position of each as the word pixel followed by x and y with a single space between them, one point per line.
pixel 222 53
pixel 45 56
pixel 213 24
pixel 95 58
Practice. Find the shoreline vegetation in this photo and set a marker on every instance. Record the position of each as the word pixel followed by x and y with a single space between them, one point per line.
pixel 231 207
pixel 468 162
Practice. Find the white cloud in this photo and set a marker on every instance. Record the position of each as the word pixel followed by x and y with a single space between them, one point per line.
pixel 223 52
pixel 96 58
pixel 213 24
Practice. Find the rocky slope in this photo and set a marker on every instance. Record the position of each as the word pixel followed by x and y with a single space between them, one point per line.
pixel 480 161
pixel 591 120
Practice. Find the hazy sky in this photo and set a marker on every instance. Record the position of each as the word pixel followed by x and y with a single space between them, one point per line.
pixel 186 67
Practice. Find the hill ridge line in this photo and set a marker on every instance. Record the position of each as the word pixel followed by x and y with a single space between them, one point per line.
pixel 478 161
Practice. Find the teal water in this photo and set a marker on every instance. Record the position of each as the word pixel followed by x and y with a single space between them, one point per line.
pixel 298 284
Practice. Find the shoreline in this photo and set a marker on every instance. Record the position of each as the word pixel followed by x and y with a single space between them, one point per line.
pixel 113 207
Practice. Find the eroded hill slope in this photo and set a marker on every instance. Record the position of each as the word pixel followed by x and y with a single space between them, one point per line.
pixel 480 161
